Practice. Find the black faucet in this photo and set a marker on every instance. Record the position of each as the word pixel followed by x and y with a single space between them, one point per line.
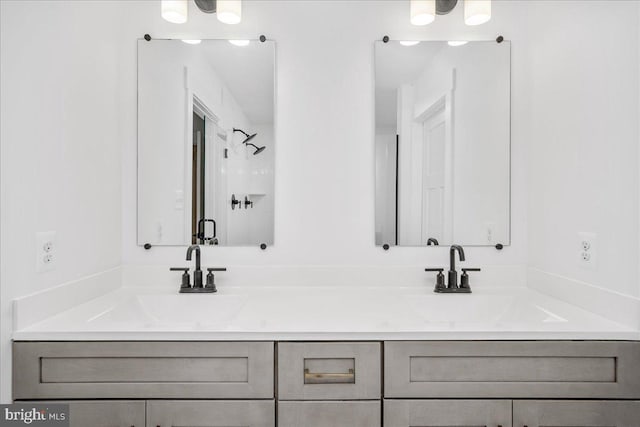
pixel 452 285
pixel 197 274
pixel 432 242
pixel 453 274
pixel 197 287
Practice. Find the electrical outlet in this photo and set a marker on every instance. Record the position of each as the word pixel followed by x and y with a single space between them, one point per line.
pixel 588 250
pixel 45 251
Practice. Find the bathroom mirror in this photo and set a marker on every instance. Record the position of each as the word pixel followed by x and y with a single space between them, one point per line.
pixel 206 142
pixel 442 143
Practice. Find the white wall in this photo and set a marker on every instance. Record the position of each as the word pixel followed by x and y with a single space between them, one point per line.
pixel 60 151
pixel 385 144
pixel 583 140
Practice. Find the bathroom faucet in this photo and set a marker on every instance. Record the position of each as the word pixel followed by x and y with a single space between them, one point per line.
pixel 197 288
pixel 197 274
pixel 453 274
pixel 432 242
pixel 452 286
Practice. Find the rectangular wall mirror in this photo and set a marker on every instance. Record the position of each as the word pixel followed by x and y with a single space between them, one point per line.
pixel 206 146
pixel 442 143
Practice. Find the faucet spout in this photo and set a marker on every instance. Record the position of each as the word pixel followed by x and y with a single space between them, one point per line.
pixel 190 252
pixel 453 274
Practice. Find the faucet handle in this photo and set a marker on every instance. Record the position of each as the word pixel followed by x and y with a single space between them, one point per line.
pixel 211 284
pixel 186 280
pixel 464 279
pixel 439 277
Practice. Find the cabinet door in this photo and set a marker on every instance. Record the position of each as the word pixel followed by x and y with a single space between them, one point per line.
pixel 329 414
pixel 450 413
pixel 576 413
pixel 208 413
pixel 96 413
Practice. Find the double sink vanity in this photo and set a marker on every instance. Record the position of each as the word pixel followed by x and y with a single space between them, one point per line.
pixel 326 357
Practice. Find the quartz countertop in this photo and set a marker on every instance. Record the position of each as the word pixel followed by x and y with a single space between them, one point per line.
pixel 324 313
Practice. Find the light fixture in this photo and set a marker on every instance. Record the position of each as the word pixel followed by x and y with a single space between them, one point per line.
pixel 175 11
pixel 192 41
pixel 477 12
pixel 409 42
pixel 423 12
pixel 229 11
pixel 456 43
pixel 241 43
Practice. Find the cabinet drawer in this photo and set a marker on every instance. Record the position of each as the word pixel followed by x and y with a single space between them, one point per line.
pixel 329 371
pixel 508 369
pixel 236 413
pixel 576 413
pixel 108 413
pixel 451 413
pixel 94 370
pixel 329 414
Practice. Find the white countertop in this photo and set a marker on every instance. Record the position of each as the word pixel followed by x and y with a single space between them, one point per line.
pixel 324 313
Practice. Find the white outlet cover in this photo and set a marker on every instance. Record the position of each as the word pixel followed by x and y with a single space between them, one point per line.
pixel 587 248
pixel 45 251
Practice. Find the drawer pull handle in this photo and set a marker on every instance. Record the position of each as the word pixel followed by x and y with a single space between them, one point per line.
pixel 329 378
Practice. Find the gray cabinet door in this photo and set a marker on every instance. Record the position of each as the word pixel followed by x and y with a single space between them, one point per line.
pixel 143 370
pixel 329 414
pixel 576 413
pixel 512 369
pixel 450 413
pixel 210 413
pixel 108 413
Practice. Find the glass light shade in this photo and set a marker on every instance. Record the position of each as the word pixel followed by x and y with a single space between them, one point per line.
pixel 477 12
pixel 229 11
pixel 423 12
pixel 409 42
pixel 175 11
pixel 240 43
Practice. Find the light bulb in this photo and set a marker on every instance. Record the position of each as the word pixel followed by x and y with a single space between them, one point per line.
pixel 192 41
pixel 409 42
pixel 423 12
pixel 229 11
pixel 174 11
pixel 477 12
pixel 240 43
pixel 455 43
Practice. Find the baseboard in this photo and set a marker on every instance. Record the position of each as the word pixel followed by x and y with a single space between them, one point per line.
pixel 615 306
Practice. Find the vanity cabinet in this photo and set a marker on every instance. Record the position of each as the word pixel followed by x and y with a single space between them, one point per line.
pixel 560 413
pixel 210 413
pixel 450 413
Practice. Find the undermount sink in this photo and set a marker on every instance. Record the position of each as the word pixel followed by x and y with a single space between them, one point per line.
pixel 203 309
